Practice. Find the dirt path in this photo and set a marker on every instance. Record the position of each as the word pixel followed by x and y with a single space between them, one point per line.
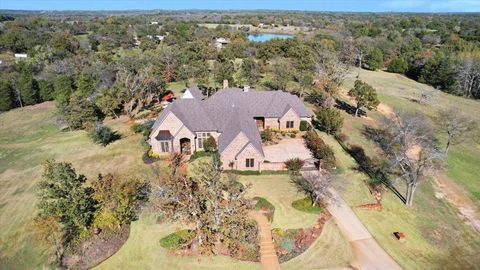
pixel 447 188
pixel 268 255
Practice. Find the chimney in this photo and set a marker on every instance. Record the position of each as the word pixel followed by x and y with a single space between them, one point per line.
pixel 225 84
pixel 246 88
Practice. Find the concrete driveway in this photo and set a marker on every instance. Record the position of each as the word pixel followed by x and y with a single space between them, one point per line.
pixel 286 149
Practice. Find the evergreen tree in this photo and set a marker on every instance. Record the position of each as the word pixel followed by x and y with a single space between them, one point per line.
pixel 374 59
pixel 329 120
pixel 62 90
pixel 86 85
pixel 250 72
pixel 398 65
pixel 7 96
pixel 28 89
pixel 81 113
pixel 45 89
pixel 224 71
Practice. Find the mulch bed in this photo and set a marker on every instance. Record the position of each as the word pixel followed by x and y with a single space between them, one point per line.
pixel 96 249
pixel 293 242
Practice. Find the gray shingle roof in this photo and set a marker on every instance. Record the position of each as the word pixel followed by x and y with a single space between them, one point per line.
pixel 231 111
pixel 196 92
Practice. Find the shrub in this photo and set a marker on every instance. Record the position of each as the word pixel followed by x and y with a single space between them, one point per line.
pixel 304 125
pixel 199 154
pixel 320 150
pixel 329 120
pixel 210 145
pixel 103 135
pixel 266 135
pixel 176 239
pixel 263 204
pixel 294 164
pixel 398 65
pixel 144 128
pixel 306 205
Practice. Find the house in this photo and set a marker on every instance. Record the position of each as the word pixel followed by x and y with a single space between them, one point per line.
pixel 221 42
pixel 234 117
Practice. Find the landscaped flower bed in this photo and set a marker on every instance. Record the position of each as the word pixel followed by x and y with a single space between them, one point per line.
pixel 293 242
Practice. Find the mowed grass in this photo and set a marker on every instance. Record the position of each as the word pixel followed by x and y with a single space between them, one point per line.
pixel 402 93
pixel 329 250
pixel 437 238
pixel 143 251
pixel 28 137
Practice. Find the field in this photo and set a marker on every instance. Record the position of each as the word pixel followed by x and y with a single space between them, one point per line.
pixel 437 238
pixel 29 136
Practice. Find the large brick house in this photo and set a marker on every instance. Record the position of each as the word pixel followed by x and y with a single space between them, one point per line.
pixel 233 116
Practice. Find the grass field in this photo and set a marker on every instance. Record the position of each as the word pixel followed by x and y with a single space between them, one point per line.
pixel 29 136
pixel 402 93
pixel 437 238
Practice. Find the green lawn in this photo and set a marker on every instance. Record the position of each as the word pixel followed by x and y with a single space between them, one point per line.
pixel 437 238
pixel 29 136
pixel 401 93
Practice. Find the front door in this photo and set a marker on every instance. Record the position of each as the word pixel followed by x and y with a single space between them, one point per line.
pixel 185 146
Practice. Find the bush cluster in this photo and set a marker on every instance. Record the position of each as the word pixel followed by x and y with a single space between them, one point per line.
pixel 103 135
pixel 320 150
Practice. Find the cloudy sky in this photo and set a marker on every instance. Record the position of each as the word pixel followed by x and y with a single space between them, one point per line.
pixel 315 5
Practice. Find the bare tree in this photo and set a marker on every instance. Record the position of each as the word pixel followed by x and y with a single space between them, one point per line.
pixel 457 126
pixel 330 73
pixel 469 76
pixel 412 150
pixel 317 186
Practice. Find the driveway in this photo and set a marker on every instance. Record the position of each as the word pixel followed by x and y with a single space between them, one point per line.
pixel 286 149
pixel 368 253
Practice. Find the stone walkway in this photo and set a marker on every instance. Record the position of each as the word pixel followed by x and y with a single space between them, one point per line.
pixel 268 255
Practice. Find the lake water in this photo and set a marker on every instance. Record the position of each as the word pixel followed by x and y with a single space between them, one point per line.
pixel 267 37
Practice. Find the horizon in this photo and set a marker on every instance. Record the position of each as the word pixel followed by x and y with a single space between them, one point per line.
pixel 365 6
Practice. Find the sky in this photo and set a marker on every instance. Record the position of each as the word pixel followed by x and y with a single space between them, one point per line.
pixel 312 5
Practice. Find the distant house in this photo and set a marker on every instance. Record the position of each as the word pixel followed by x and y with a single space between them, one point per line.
pixel 154 23
pixel 221 42
pixel 234 117
pixel 20 55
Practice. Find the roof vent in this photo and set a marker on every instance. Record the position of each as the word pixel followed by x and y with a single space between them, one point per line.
pixel 246 88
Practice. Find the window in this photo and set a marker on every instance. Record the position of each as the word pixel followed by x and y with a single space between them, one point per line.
pixel 249 163
pixel 165 146
pixel 290 124
pixel 201 137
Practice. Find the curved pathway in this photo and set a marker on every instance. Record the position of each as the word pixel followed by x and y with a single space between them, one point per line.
pixel 368 253
pixel 268 255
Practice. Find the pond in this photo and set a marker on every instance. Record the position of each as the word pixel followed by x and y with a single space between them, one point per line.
pixel 267 37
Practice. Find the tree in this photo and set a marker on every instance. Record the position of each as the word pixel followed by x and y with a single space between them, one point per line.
pixel 50 231
pixel 330 73
pixel 62 194
pixel 108 102
pixel 398 65
pixel 62 89
pixel 411 150
pixel 45 90
pixel 224 71
pixel 210 145
pixel 365 96
pixel 118 200
pixel 28 89
pixel 316 186
pixel 139 88
pixel 250 72
pixel 329 120
pixel 469 76
pixel 103 135
pixel 374 59
pixel 7 96
pixel 213 203
pixel 86 85
pixel 457 127
pixel 282 72
pixel 439 71
pixel 81 113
